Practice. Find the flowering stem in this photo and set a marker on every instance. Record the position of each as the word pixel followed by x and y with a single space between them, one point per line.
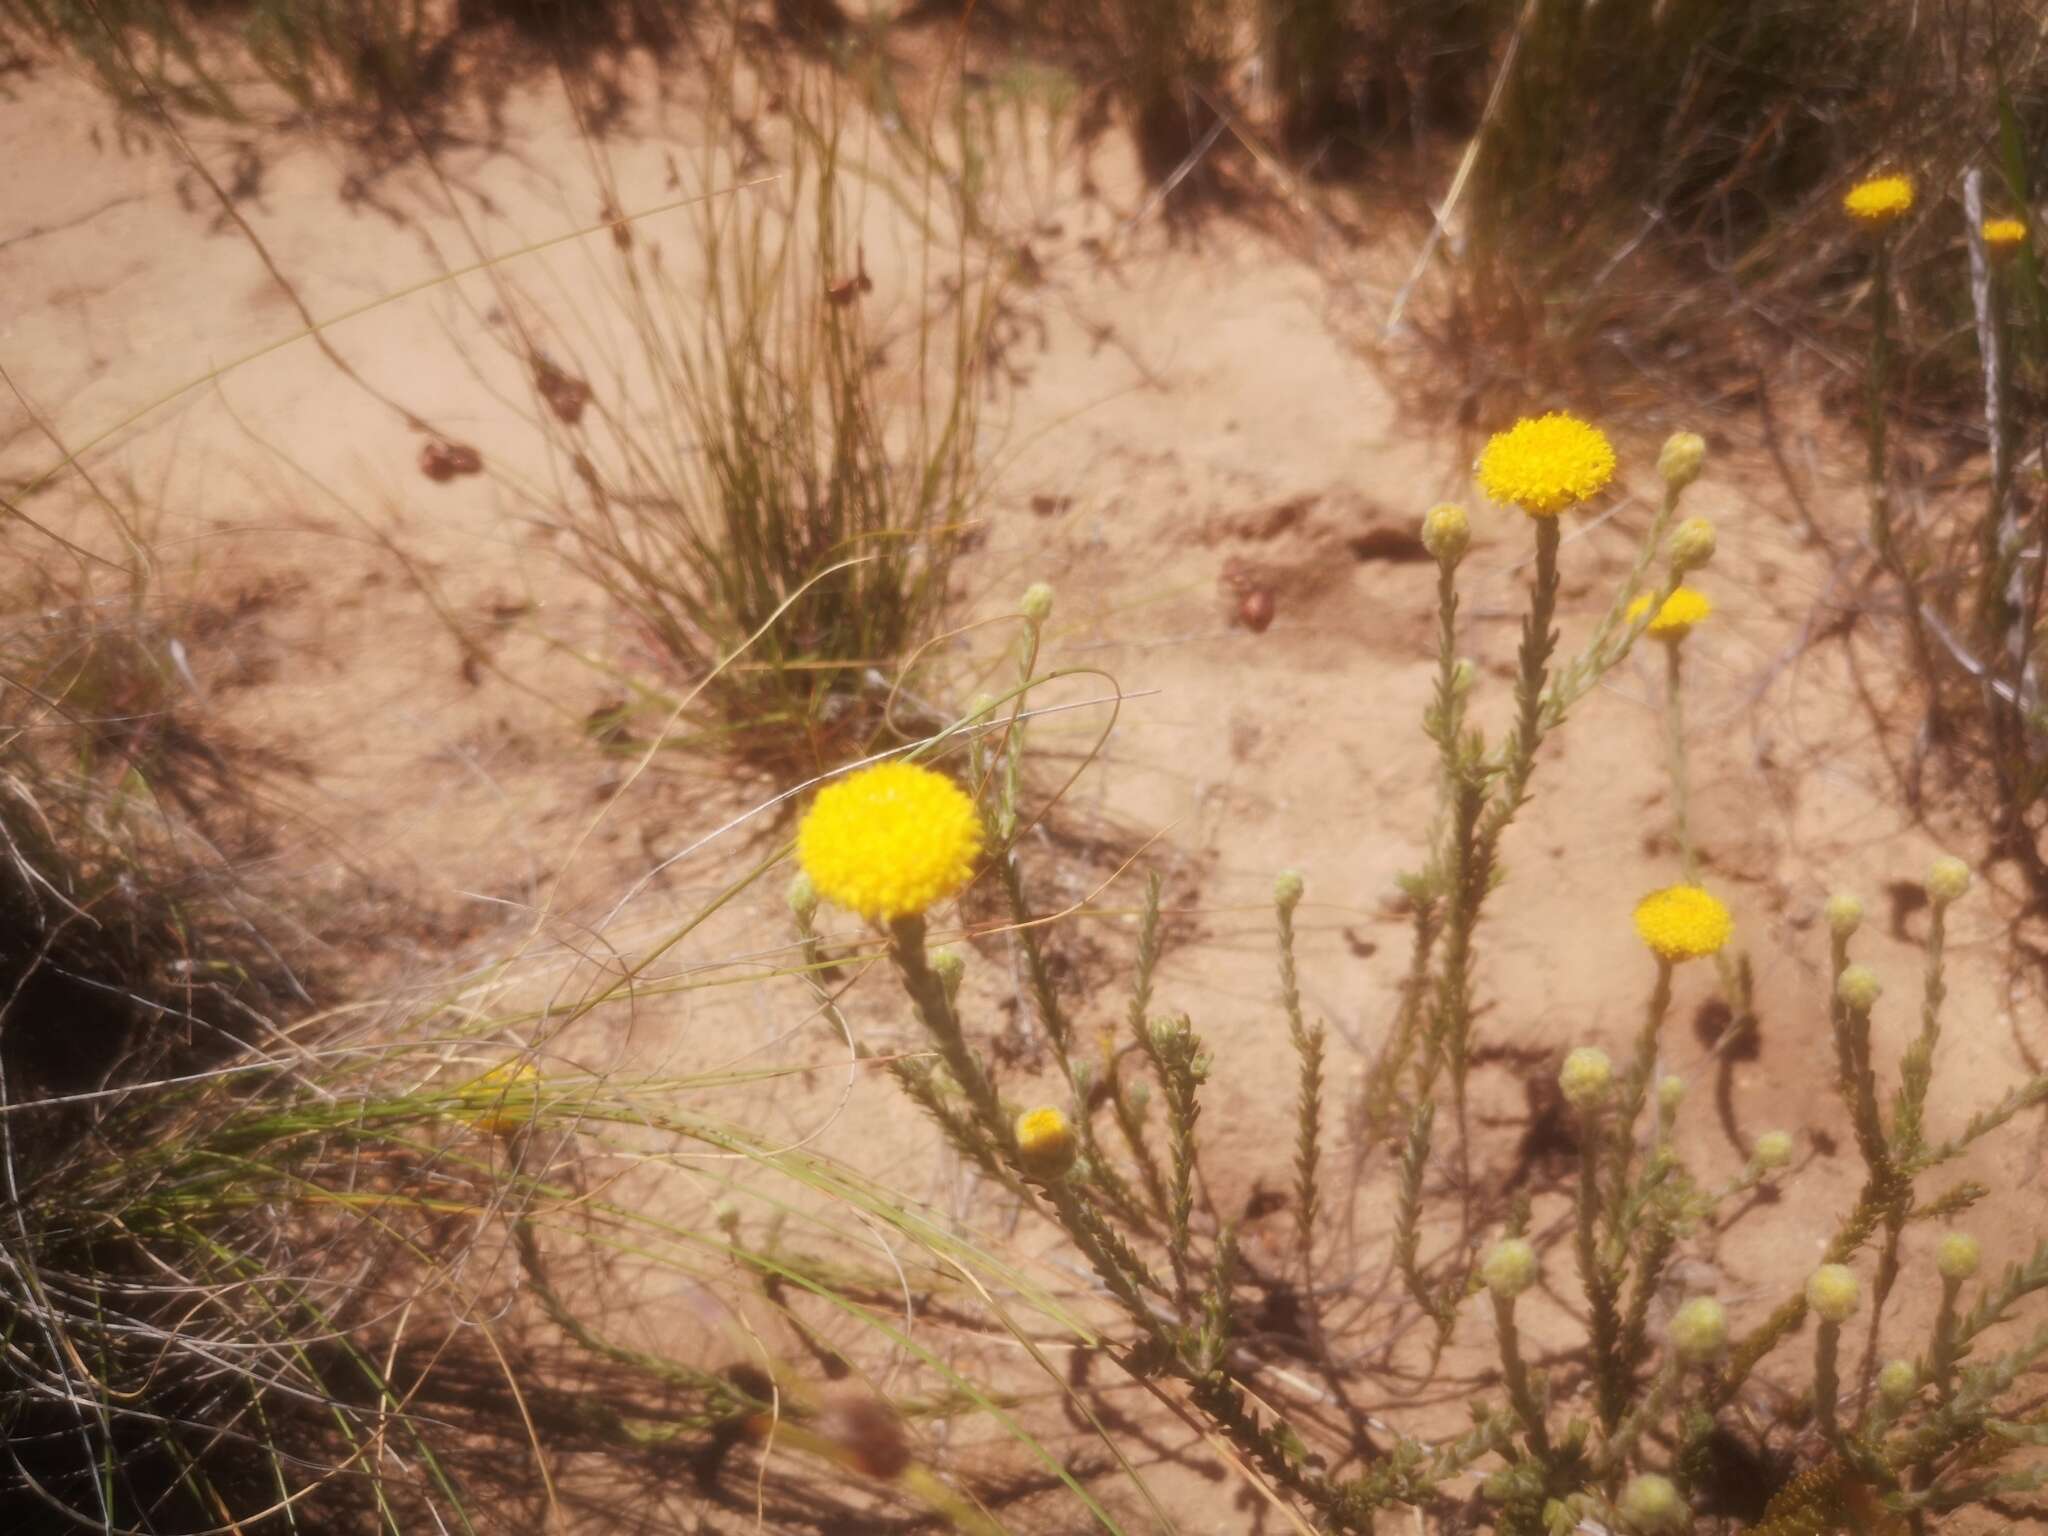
pixel 1916 1072
pixel 1513 1368
pixel 1308 1046
pixel 1101 1245
pixel 1059 1033
pixel 1445 719
pixel 912 1074
pixel 1944 1354
pixel 1880 1292
pixel 1674 729
pixel 1593 1275
pixel 1477 830
pixel 1539 640
pixel 1621 1441
pixel 1179 1054
pixel 935 1011
pixel 1857 1081
pixel 1127 1114
pixel 1658 1245
pixel 1641 1073
pixel 1408 1221
pixel 1826 1386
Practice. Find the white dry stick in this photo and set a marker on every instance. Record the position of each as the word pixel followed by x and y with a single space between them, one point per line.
pixel 2004 505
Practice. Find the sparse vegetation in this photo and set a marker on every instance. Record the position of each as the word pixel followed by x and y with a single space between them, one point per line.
pixel 284 1250
pixel 773 479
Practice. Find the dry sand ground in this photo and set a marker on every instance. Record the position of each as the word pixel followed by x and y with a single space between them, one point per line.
pixel 1185 415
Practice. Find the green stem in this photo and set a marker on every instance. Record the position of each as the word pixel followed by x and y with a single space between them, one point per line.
pixel 935 1011
pixel 1520 1394
pixel 1674 736
pixel 1594 1276
pixel 1944 1353
pixel 1826 1384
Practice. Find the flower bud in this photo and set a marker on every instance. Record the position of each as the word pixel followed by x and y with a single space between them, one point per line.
pixel 1898 1381
pixel 1670 1093
pixel 1464 674
pixel 1947 879
pixel 1845 914
pixel 1046 1143
pixel 1692 545
pixel 803 898
pixel 1167 1033
pixel 1833 1292
pixel 1859 988
pixel 1651 1503
pixel 1509 1268
pixel 950 968
pixel 1699 1330
pixel 1773 1150
pixel 1680 459
pixel 1586 1076
pixel 1957 1256
pixel 1446 533
pixel 1036 603
pixel 1287 889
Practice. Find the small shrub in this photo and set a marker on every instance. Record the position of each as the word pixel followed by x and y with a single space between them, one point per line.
pixel 1631 1440
pixel 776 491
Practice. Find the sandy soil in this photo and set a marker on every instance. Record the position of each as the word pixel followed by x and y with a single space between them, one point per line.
pixel 1186 425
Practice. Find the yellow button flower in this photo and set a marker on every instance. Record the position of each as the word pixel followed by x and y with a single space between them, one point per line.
pixel 1545 464
pixel 1832 1291
pixel 1879 200
pixel 511 1089
pixel 1510 1268
pixel 2003 234
pixel 1674 621
pixel 1046 1144
pixel 889 841
pixel 1682 922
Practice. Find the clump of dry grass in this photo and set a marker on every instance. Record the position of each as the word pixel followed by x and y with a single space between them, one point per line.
pixel 776 459
pixel 369 69
pixel 368 1265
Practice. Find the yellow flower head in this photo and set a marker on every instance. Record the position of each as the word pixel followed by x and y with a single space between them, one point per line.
pixel 889 841
pixel 1509 1268
pixel 1898 1381
pixel 1832 1291
pixel 1773 1150
pixel 1651 1502
pixel 1948 879
pixel 1544 464
pixel 1699 1329
pixel 1957 1256
pixel 1682 922
pixel 1586 1076
pixel 2003 234
pixel 1046 1144
pixel 1682 609
pixel 511 1091
pixel 1880 199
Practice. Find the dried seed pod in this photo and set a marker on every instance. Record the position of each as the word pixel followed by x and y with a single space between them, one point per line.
pixel 444 461
pixel 866 1432
pixel 565 394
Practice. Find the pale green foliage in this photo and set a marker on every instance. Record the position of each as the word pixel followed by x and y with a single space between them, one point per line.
pixel 1629 1443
